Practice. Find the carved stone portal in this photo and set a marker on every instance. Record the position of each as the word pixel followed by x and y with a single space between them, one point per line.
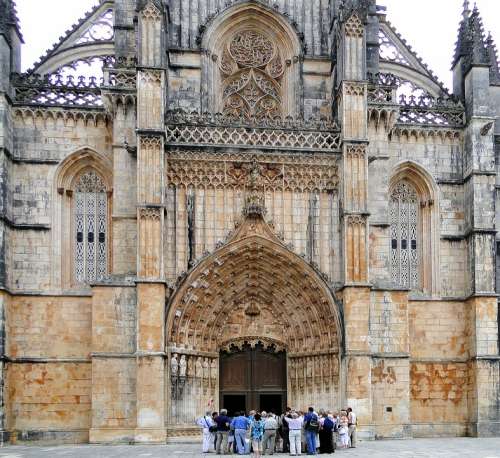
pixel 253 289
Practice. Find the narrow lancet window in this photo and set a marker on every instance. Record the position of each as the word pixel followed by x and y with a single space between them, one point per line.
pixel 405 257
pixel 90 228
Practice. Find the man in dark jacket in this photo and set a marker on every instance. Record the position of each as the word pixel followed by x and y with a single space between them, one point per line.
pixel 223 423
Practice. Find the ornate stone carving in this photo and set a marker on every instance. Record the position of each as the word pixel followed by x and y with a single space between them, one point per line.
pixel 251 67
pixel 150 12
pixel 356 151
pixel 354 89
pixel 255 202
pixel 90 182
pixel 354 27
pixel 149 213
pixel 276 172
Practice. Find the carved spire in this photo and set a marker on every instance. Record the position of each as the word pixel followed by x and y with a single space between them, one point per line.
pixel 471 43
pixel 478 52
pixel 461 46
pixel 8 18
pixel 493 56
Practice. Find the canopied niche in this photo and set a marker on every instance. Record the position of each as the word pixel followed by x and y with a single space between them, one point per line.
pixel 253 290
pixel 252 64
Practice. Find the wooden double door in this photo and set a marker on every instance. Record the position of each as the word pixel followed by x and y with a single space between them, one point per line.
pixel 253 379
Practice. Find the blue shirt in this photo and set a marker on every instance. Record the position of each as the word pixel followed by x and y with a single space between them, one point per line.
pixel 240 423
pixel 310 416
pixel 257 430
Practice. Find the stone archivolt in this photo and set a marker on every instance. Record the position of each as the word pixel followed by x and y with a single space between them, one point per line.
pixel 296 307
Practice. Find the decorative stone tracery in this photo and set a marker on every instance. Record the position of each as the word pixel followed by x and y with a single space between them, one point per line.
pixel 251 65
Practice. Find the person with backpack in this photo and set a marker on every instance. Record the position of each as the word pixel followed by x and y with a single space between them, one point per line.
pixel 208 426
pixel 326 435
pixel 311 422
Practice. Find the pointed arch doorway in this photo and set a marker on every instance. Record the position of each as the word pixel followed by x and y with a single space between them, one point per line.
pixel 252 376
pixel 252 292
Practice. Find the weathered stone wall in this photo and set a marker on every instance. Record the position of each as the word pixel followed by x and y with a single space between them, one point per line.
pixel 439 348
pixel 48 383
pixel 48 402
pixel 48 327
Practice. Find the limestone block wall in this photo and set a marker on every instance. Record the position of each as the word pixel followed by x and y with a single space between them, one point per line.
pixel 53 397
pixel 439 376
pixel 48 327
pixel 114 395
pixel 48 384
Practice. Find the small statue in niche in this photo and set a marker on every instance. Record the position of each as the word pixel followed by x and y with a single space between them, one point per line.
pixel 182 366
pixel 174 366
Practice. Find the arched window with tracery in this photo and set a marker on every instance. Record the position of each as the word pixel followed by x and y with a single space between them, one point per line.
pixel 90 227
pixel 252 68
pixel 404 208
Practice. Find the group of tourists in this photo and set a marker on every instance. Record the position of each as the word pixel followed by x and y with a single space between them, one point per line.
pixel 264 433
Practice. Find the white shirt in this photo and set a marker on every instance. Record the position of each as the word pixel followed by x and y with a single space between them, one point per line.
pixel 352 418
pixel 205 422
pixel 295 423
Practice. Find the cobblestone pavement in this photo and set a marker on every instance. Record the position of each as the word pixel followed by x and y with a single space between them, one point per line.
pixel 461 447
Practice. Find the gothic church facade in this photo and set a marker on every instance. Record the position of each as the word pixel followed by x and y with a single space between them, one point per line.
pixel 248 204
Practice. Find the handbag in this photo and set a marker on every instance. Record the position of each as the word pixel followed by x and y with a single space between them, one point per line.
pixel 211 429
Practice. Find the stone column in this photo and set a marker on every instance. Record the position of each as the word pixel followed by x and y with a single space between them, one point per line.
pixel 151 80
pixel 480 177
pixel 10 62
pixel 352 102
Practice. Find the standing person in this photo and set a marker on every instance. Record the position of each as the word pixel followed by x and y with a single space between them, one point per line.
pixel 326 435
pixel 206 423
pixel 343 430
pixel 284 431
pixel 240 426
pixel 257 434
pixel 352 423
pixel 223 424
pixel 295 423
pixel 312 426
pixel 214 418
pixel 270 428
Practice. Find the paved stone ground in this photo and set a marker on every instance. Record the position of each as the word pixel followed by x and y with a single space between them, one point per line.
pixel 460 447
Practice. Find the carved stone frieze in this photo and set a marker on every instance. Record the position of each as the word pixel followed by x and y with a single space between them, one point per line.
pixel 221 130
pixel 277 172
pixel 67 115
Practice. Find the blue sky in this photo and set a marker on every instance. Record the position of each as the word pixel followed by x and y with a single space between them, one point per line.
pixel 430 26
